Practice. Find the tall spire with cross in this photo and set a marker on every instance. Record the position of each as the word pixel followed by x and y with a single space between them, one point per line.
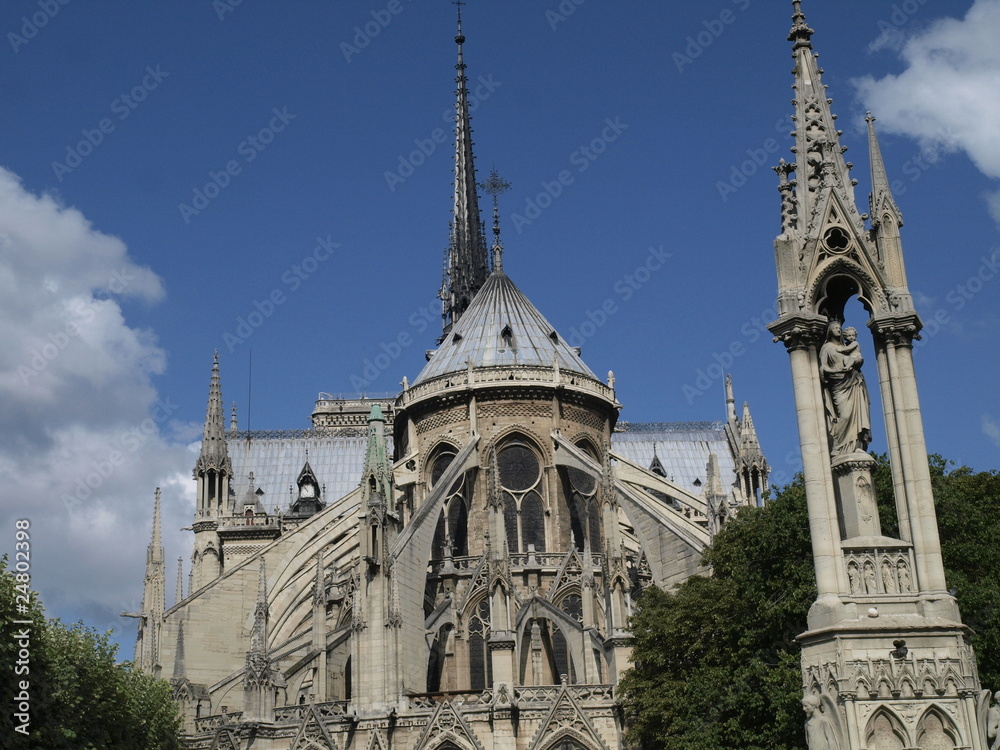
pixel 467 264
pixel 496 186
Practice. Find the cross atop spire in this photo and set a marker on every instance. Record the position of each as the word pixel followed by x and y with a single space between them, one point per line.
pixel 467 262
pixel 496 186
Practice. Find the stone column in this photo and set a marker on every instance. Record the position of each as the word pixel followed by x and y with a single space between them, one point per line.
pixel 922 512
pixel 801 338
pixel 892 438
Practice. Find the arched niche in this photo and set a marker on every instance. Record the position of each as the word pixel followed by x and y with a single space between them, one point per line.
pixel 935 731
pixel 885 732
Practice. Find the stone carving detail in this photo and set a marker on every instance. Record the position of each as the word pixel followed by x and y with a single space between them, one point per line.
pixel 898 679
pixel 844 391
pixel 586 418
pixel 878 571
pixel 507 410
pixel 884 736
pixel 992 720
pixel 933 735
pixel 820 731
pixel 888 578
pixel 440 420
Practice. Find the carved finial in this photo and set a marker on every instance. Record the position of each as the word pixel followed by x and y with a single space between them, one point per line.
pixel 496 186
pixel 800 33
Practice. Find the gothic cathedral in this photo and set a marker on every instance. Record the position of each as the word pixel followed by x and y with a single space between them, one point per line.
pixel 454 569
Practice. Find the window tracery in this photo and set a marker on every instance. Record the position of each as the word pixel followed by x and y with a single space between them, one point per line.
pixel 520 474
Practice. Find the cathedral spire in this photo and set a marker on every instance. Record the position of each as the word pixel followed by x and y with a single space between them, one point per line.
pixel 377 475
pixel 213 468
pixel 154 552
pixel 820 169
pixel 213 444
pixel 147 648
pixel 880 200
pixel 467 265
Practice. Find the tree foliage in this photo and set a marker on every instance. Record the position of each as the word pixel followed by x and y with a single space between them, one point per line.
pixel 80 697
pixel 716 661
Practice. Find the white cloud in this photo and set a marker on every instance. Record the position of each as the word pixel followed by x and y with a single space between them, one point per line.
pixel 991 429
pixel 948 95
pixel 84 436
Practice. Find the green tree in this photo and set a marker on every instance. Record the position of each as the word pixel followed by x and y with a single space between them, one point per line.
pixel 716 661
pixel 81 698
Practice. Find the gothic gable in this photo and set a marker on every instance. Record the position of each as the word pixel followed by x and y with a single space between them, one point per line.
pixel 312 734
pixel 566 723
pixel 447 726
pixel 225 739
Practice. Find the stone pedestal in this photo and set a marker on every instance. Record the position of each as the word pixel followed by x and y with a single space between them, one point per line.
pixel 856 495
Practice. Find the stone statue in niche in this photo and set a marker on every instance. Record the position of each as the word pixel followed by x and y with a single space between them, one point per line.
pixel 854 576
pixel 845 393
pixel 870 585
pixel 888 578
pixel 903 574
pixel 820 734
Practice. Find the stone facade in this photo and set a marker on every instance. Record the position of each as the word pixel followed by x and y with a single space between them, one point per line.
pixel 452 567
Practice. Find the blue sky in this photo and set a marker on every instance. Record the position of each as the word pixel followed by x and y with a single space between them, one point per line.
pixel 326 127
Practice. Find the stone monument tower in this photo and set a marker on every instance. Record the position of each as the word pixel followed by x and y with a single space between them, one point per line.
pixel 886 659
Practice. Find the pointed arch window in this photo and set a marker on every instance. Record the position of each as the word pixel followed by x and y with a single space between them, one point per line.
pixel 451 537
pixel 480 666
pixel 580 489
pixel 520 473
